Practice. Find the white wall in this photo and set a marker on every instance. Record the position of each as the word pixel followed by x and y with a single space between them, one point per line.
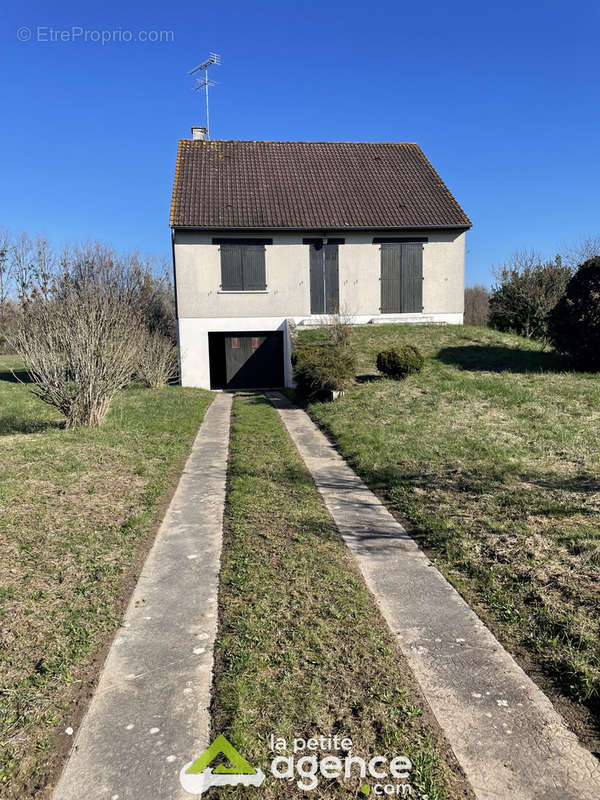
pixel 204 308
pixel 198 273
pixel 193 344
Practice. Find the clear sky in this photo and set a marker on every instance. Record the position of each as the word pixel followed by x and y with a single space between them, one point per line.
pixel 503 97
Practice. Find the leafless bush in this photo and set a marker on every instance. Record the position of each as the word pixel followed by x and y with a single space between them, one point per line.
pixel 576 255
pixel 78 327
pixel 158 361
pixel 339 328
pixel 9 315
pixel 7 310
pixel 477 305
pixel 156 299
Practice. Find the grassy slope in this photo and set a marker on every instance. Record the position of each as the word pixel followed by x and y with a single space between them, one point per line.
pixel 302 650
pixel 491 454
pixel 74 507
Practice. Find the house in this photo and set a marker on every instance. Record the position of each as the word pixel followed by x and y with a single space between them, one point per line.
pixel 266 233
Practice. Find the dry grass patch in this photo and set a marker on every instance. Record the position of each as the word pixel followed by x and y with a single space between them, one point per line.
pixel 492 456
pixel 75 508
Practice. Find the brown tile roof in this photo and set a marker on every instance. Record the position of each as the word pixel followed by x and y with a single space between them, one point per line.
pixel 304 185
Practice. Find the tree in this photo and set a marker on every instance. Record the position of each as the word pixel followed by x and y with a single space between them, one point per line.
pixel 79 327
pixel 583 251
pixel 155 296
pixel 477 305
pixel 574 323
pixel 6 310
pixel 526 290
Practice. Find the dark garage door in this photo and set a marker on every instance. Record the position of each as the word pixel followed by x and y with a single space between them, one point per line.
pixel 246 360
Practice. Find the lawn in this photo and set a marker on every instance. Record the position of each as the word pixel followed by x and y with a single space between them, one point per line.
pixel 491 458
pixel 77 513
pixel 302 650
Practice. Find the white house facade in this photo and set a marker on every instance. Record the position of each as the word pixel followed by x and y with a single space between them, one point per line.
pixel 266 234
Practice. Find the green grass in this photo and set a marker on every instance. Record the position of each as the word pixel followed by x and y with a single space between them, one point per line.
pixel 75 506
pixel 302 650
pixel 491 455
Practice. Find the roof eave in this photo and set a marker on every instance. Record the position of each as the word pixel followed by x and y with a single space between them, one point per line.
pixel 461 227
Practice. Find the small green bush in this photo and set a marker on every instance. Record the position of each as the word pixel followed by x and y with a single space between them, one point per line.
pixel 400 361
pixel 323 369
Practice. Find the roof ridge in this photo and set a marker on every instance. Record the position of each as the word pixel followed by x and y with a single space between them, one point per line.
pixel 290 141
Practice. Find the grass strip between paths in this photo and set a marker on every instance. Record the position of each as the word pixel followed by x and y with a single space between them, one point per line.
pixel 302 649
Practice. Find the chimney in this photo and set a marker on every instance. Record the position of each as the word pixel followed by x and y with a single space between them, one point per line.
pixel 198 132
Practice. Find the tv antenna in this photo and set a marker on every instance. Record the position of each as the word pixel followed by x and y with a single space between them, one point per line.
pixel 205 82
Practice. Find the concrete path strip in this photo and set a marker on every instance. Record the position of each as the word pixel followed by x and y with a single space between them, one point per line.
pixel 150 713
pixel 505 733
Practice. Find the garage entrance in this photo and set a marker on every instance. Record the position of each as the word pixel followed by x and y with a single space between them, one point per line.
pixel 246 360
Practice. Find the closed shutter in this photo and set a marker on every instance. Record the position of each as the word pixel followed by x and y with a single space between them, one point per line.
pixel 231 268
pixel 243 267
pixel 391 266
pixel 324 279
pixel 253 264
pixel 332 283
pixel 317 284
pixel 412 278
pixel 401 278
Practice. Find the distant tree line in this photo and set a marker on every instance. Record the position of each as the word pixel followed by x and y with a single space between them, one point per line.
pixel 86 321
pixel 556 301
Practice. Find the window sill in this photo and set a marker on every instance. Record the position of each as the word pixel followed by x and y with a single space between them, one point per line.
pixel 243 291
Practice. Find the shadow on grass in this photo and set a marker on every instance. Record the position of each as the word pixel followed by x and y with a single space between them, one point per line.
pixel 372 378
pixel 12 424
pixel 495 358
pixel 16 376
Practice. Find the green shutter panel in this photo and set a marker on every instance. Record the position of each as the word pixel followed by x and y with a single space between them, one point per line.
pixel 231 267
pixel 412 278
pixel 254 272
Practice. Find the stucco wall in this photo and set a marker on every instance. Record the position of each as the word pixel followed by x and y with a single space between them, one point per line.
pixel 193 344
pixel 198 275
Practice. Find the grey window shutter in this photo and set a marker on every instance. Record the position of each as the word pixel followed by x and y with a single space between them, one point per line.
pixel 391 267
pixel 253 260
pixel 231 267
pixel 332 282
pixel 401 278
pixel 317 282
pixel 412 278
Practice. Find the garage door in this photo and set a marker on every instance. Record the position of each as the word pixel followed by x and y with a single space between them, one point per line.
pixel 246 360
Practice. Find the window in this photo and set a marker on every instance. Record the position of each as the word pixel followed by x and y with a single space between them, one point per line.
pixel 243 264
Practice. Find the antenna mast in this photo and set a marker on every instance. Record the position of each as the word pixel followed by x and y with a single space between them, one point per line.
pixel 205 82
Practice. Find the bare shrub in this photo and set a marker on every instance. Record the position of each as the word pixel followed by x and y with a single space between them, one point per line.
pixel 155 296
pixel 339 328
pixel 7 307
pixel 527 288
pixel 78 327
pixel 9 315
pixel 158 361
pixel 477 305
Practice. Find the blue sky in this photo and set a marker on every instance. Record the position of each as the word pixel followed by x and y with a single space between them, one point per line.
pixel 503 99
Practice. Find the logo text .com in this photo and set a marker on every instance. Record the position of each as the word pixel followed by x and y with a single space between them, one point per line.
pixel 76 33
